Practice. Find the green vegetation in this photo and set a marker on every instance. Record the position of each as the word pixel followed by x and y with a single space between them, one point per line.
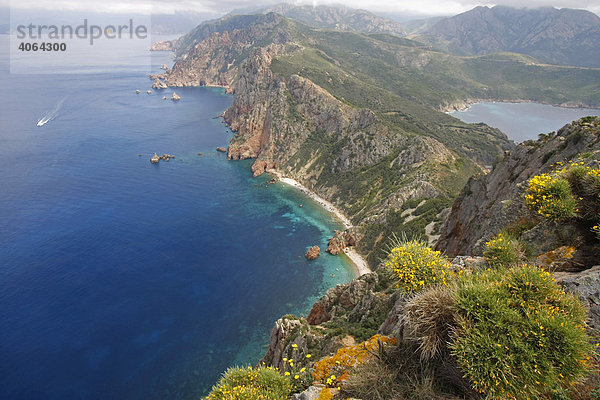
pixel 520 335
pixel 502 250
pixel 570 191
pixel 416 266
pixel 551 197
pixel 251 384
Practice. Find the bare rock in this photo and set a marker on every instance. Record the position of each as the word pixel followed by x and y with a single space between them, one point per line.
pixel 341 240
pixel 279 334
pixel 312 393
pixel 260 167
pixel 313 253
pixel 321 310
pixel 162 45
pixel 586 286
pixel 222 149
pixel 175 97
pixel 158 84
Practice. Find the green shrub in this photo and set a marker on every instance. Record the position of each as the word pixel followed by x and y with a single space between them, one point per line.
pixel 502 250
pixel 251 384
pixel 550 196
pixel 519 335
pixel 416 266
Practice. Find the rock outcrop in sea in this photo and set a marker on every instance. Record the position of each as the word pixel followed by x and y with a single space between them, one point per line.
pixel 163 45
pixel 158 84
pixel 313 253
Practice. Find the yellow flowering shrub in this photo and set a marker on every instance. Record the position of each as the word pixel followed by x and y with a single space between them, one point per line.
pixel 262 383
pixel 334 369
pixel 571 190
pixel 501 250
pixel 416 266
pixel 550 196
pixel 519 335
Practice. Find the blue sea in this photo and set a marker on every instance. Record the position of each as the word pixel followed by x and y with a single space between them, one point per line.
pixel 522 121
pixel 120 279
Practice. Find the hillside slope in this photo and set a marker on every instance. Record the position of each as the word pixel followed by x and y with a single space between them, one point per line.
pixel 353 117
pixel 564 37
pixel 331 17
pixel 495 202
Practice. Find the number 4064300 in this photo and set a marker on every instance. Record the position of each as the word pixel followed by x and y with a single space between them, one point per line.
pixel 44 46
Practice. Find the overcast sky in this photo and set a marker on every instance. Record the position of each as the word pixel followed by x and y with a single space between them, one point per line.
pixel 218 7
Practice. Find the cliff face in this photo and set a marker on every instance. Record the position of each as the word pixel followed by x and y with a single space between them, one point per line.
pixel 298 127
pixel 495 201
pixel 212 53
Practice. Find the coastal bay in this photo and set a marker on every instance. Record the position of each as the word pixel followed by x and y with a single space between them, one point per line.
pixel 524 120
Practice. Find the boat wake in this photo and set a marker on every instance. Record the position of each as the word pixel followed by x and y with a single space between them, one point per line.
pixel 50 115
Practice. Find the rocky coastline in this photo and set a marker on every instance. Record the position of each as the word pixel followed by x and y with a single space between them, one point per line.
pixel 361 265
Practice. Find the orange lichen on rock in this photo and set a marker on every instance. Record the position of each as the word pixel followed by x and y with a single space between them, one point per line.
pixel 334 369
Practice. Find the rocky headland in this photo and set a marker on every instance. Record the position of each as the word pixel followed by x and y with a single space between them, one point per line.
pixel 314 113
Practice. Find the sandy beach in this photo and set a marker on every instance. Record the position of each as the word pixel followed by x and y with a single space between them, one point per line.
pixel 362 267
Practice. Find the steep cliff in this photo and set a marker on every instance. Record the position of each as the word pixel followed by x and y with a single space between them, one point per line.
pixel 496 201
pixel 353 117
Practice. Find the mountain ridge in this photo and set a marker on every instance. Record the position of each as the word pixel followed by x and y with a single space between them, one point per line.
pixel 556 36
pixel 326 107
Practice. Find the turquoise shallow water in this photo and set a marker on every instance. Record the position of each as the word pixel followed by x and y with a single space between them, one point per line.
pixel 126 280
pixel 522 121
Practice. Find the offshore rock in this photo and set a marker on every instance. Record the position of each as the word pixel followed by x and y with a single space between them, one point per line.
pixel 313 253
pixel 175 97
pixel 158 84
pixel 222 149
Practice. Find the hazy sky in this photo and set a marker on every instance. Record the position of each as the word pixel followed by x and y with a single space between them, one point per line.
pixel 412 7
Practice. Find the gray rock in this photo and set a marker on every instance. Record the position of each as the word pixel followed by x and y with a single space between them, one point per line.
pixel 586 285
pixel 312 393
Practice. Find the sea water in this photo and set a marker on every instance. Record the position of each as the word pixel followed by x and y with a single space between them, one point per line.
pixel 122 279
pixel 522 121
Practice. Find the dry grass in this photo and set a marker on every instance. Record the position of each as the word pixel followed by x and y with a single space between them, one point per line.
pixel 400 375
pixel 428 320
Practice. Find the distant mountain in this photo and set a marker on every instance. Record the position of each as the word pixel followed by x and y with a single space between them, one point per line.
pixel 329 17
pixel 419 26
pixel 565 36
